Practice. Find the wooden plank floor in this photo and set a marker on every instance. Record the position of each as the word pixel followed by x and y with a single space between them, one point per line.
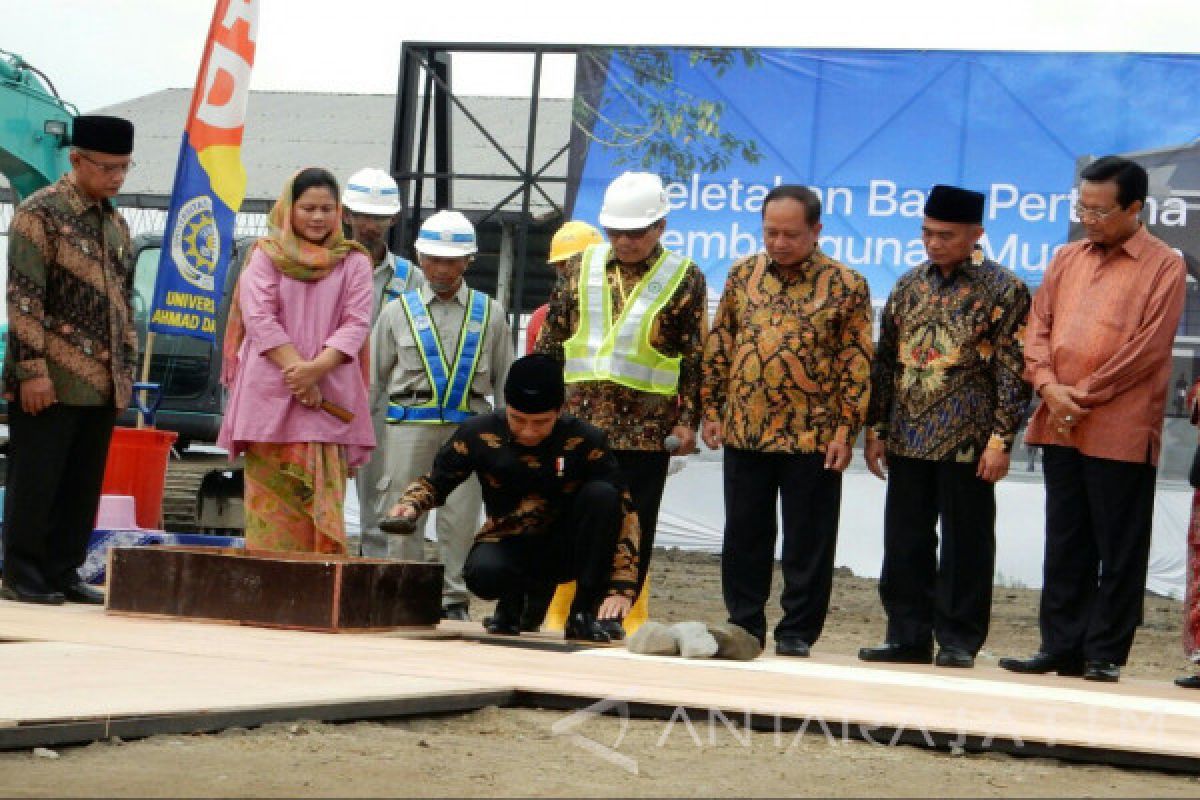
pixel 72 673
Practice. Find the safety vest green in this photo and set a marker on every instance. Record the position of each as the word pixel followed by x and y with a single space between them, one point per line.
pixel 620 351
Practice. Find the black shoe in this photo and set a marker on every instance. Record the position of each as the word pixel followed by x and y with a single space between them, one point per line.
pixel 1042 662
pixel 791 646
pixel 456 611
pixel 954 657
pixel 41 598
pixel 1103 671
pixel 505 620
pixel 613 627
pixel 1188 682
pixel 893 653
pixel 80 592
pixel 583 627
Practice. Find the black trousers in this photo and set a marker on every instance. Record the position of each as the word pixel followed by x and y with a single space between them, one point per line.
pixel 1099 514
pixel 645 473
pixel 580 548
pixel 924 593
pixel 811 498
pixel 55 471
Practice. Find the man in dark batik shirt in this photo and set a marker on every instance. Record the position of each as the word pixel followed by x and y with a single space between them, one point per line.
pixel 557 508
pixel 947 399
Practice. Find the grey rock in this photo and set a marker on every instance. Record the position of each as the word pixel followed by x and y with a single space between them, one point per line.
pixel 653 639
pixel 735 642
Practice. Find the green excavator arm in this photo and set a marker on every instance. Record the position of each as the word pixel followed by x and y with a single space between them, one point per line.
pixel 35 125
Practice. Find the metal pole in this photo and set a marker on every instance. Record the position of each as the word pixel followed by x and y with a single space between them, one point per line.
pixel 518 304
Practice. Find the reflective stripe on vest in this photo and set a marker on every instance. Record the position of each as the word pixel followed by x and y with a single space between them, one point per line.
pixel 620 351
pixel 451 400
pixel 401 272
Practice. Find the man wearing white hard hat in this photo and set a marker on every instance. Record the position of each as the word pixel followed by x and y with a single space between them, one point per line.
pixel 437 353
pixel 627 319
pixel 371 204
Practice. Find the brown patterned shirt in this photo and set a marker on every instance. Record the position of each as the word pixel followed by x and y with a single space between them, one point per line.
pixel 632 419
pixel 787 365
pixel 947 373
pixel 70 278
pixel 526 490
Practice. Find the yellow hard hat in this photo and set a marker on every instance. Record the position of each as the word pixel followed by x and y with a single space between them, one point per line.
pixel 573 237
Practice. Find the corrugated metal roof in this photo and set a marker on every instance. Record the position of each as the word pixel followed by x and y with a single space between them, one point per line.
pixel 286 131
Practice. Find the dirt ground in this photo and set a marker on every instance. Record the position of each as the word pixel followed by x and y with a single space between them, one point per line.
pixel 506 752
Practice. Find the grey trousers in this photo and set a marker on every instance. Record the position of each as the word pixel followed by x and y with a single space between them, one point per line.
pixel 367 484
pixel 408 455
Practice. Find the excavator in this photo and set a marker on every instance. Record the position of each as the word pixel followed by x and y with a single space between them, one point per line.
pixel 202 494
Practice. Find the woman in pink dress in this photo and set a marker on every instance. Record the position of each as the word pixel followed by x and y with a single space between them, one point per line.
pixel 295 348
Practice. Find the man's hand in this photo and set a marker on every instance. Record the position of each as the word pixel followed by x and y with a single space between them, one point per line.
pixel 713 434
pixel 615 606
pixel 837 456
pixel 302 375
pixel 403 511
pixel 875 454
pixel 993 465
pixel 1065 412
pixel 37 394
pixel 401 520
pixel 687 440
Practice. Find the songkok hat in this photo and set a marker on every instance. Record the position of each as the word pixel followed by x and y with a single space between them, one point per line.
pixel 952 204
pixel 534 384
pixel 111 135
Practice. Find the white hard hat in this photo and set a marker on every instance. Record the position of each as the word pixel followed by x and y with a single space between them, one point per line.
pixel 633 200
pixel 446 233
pixel 372 191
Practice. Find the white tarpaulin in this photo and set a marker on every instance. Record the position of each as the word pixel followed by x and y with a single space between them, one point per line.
pixel 693 516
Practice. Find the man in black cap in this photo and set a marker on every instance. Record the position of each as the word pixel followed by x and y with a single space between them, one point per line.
pixel 557 509
pixel 947 399
pixel 69 364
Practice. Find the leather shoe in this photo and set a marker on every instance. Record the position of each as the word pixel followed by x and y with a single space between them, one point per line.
pixel 41 598
pixel 456 611
pixel 80 592
pixel 791 646
pixel 1103 671
pixel 613 627
pixel 1188 682
pixel 894 653
pixel 583 627
pixel 954 657
pixel 1042 662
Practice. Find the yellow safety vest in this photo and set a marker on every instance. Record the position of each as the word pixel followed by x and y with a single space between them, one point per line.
pixel 604 350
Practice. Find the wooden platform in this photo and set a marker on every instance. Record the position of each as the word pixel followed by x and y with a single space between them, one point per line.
pixel 75 674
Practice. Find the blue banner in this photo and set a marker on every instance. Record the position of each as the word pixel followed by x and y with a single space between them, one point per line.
pixel 871 131
pixel 210 181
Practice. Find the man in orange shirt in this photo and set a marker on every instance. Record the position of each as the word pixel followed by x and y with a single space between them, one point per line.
pixel 1098 352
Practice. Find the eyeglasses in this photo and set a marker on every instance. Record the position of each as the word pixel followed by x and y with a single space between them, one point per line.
pixel 1090 213
pixel 636 233
pixel 109 169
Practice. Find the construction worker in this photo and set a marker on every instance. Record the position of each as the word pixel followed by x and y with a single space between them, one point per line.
pixel 370 205
pixel 437 354
pixel 569 241
pixel 628 321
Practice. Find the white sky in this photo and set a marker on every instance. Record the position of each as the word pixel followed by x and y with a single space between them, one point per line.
pixel 99 52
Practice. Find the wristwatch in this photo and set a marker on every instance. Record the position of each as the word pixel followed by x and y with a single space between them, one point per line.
pixel 997 442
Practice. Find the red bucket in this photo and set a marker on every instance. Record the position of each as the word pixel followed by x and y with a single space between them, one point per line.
pixel 137 466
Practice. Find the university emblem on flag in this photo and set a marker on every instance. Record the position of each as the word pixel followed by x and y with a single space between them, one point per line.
pixel 196 243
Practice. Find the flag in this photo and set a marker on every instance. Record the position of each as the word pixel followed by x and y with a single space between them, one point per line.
pixel 210 181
